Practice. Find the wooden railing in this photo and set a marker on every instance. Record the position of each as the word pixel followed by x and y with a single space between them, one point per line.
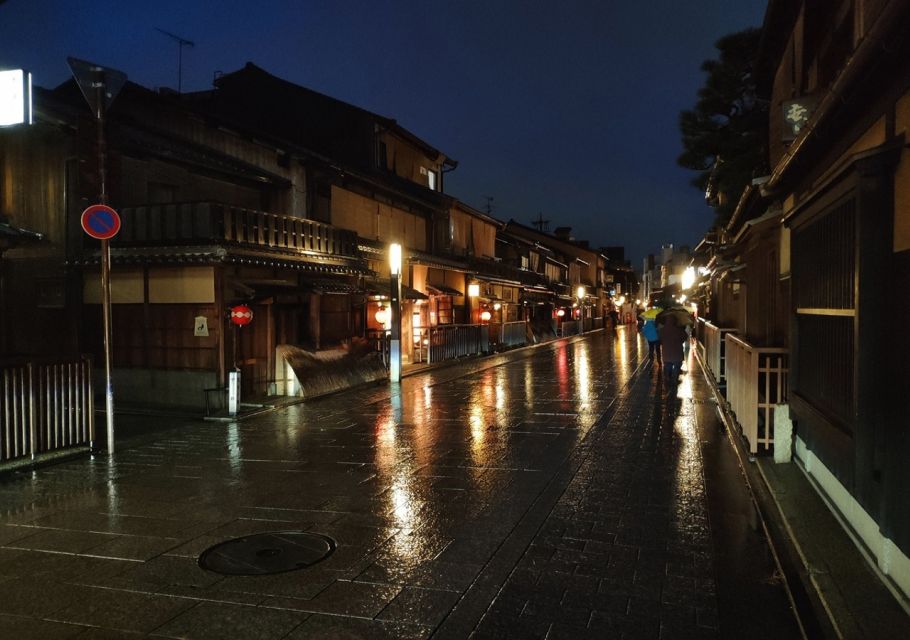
pixel 715 351
pixel 209 222
pixel 756 384
pixel 45 406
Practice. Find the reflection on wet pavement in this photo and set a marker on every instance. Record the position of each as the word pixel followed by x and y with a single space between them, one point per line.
pixel 430 489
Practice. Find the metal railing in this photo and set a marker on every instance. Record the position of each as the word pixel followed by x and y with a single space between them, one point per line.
pixel 456 340
pixel 421 344
pixel 756 384
pixel 509 334
pixel 45 406
pixel 207 222
pixel 382 344
pixel 715 351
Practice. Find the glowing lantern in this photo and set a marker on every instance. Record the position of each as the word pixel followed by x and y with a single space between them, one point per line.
pixel 497 307
pixel 560 313
pixel 381 315
pixel 485 316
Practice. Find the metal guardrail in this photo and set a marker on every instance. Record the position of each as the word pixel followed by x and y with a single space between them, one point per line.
pixel 456 340
pixel 382 344
pixel 509 334
pixel 45 406
pixel 756 383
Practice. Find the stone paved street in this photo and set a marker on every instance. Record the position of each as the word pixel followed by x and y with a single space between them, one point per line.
pixel 554 492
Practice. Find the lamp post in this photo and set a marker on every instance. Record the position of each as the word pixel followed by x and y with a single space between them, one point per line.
pixel 395 313
pixel 580 292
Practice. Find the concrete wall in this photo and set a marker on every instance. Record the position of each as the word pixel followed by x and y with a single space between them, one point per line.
pixel 183 390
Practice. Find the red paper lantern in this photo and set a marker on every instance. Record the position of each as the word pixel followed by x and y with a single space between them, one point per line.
pixel 241 315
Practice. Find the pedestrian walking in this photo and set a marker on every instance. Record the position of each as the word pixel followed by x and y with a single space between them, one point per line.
pixel 614 316
pixel 672 337
pixel 649 331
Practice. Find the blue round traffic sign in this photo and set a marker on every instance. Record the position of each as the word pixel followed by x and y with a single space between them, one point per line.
pixel 100 222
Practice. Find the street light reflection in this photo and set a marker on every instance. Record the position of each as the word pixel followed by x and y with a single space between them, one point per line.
pixel 529 382
pixel 621 348
pixel 583 374
pixel 234 449
pixel 562 372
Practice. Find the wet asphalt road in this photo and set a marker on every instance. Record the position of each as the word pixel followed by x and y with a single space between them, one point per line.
pixel 560 491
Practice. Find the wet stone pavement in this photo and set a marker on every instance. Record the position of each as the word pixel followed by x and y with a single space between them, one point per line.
pixel 554 492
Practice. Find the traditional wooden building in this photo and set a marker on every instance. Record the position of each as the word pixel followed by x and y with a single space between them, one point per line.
pixel 567 265
pixel 745 287
pixel 212 216
pixel 839 86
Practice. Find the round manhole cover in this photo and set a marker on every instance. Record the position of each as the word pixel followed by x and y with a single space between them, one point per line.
pixel 266 553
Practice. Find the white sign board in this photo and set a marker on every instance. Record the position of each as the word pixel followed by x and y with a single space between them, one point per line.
pixel 201 327
pixel 15 97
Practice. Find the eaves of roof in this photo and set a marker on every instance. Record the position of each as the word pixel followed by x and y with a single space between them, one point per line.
pixel 217 254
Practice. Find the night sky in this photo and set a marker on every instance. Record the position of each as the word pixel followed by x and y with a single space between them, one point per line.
pixel 568 108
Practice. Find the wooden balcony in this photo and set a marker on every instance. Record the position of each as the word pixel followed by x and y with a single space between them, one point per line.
pixel 206 223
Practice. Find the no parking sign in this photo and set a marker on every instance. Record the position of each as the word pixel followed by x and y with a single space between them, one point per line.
pixel 100 222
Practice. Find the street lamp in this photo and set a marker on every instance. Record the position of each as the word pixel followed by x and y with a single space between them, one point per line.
pixel 395 313
pixel 688 278
pixel 15 98
pixel 580 292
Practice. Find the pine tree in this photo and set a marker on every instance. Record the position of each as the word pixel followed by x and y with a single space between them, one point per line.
pixel 725 136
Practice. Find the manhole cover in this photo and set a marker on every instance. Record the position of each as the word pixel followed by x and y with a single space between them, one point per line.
pixel 266 553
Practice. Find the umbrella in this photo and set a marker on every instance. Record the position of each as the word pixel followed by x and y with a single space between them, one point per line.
pixel 682 316
pixel 651 313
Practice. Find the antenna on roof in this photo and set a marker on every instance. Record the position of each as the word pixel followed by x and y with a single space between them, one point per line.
pixel 181 42
pixel 489 207
pixel 540 223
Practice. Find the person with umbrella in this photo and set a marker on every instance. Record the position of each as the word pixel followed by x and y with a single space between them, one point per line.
pixel 673 336
pixel 649 331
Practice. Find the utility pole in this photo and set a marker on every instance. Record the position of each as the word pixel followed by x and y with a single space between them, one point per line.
pixel 99 86
pixel 181 42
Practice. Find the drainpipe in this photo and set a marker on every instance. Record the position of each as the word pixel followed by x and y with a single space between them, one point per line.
pixel 861 62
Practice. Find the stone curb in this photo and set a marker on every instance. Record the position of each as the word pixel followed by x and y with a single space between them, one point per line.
pixel 806 612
